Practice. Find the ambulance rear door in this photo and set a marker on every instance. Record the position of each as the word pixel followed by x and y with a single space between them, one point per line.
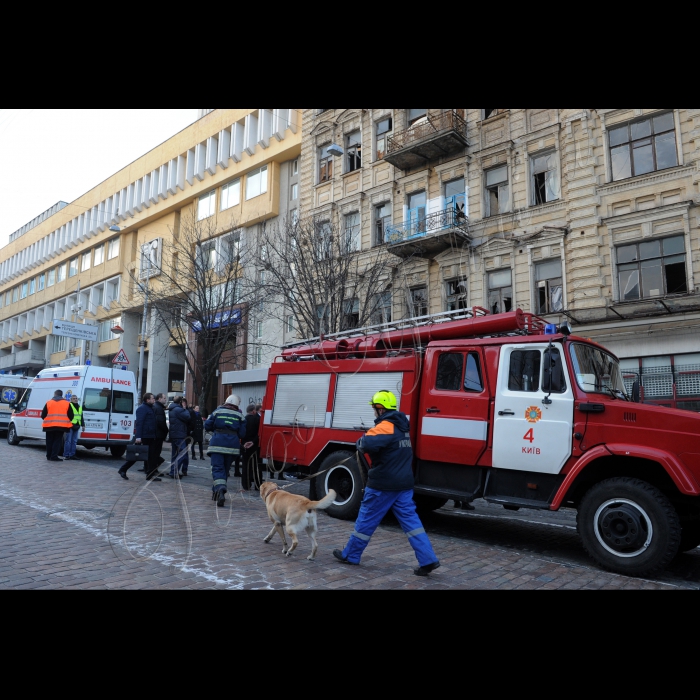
pixel 123 411
pixel 97 399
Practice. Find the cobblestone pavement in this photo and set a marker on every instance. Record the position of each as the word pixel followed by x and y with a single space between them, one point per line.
pixel 78 525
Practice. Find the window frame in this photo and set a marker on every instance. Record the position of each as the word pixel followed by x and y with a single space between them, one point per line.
pixel 324 172
pixel 381 138
pixel 73 268
pixel 95 260
pixel 500 290
pixel 206 203
pixel 499 186
pixel 548 284
pixel 233 186
pixel 256 176
pixel 652 138
pixel 353 151
pixel 425 305
pixel 113 246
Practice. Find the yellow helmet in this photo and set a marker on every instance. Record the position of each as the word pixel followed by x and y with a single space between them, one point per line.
pixel 385 399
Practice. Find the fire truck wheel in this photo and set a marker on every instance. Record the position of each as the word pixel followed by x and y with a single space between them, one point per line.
pixel 117 451
pixel 345 479
pixel 12 438
pixel 690 537
pixel 629 526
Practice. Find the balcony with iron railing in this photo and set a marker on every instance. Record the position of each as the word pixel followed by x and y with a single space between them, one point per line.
pixel 435 136
pixel 431 235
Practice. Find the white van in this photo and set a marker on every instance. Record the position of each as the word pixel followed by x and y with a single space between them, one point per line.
pixel 12 387
pixel 108 398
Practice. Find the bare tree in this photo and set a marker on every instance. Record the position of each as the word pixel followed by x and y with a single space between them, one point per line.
pixel 315 272
pixel 198 291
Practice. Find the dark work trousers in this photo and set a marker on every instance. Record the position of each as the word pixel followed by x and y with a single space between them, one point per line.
pixel 152 464
pixel 220 470
pixel 201 449
pixel 180 456
pixel 158 448
pixel 54 443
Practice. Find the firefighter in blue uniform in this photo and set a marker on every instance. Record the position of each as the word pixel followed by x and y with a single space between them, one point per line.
pixel 228 426
pixel 389 486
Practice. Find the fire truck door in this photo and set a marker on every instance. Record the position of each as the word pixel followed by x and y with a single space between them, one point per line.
pixel 454 407
pixel 531 434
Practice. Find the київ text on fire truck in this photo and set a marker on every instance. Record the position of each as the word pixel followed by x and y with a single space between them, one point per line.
pixel 504 408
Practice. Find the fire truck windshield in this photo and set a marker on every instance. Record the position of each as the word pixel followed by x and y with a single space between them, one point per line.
pixel 597 372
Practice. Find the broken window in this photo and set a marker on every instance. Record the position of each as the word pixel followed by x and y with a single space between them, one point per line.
pixel 456 294
pixel 381 308
pixel 419 302
pixel 545 178
pixel 652 269
pixel 382 219
pixel 352 232
pixel 501 291
pixel 325 165
pixel 351 314
pixel 384 128
pixel 643 146
pixel 550 289
pixel 417 115
pixel 353 151
pixel 497 190
pixel 492 112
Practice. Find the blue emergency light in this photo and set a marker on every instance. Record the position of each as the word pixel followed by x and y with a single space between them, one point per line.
pixel 550 329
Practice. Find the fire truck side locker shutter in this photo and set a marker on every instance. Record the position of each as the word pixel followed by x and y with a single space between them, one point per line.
pixel 301 398
pixel 353 393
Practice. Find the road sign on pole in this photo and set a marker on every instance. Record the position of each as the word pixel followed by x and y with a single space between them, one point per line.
pixel 120 358
pixel 80 331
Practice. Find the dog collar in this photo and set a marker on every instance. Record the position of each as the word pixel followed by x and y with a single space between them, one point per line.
pixel 269 494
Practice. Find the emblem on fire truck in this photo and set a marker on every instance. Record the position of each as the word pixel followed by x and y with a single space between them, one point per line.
pixel 533 414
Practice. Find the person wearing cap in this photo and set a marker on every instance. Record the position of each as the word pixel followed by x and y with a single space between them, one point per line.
pixel 389 486
pixel 227 424
pixel 57 418
pixel 71 444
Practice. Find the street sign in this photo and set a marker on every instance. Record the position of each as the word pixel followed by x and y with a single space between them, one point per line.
pixel 120 358
pixel 81 331
pixel 70 362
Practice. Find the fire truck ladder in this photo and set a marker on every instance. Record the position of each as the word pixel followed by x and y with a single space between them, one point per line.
pixel 402 325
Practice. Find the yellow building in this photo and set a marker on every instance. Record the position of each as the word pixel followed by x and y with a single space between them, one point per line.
pixel 73 261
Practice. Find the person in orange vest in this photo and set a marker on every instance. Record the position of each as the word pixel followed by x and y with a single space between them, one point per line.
pixel 58 420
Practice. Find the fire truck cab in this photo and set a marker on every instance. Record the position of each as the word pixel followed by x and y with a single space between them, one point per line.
pixel 504 408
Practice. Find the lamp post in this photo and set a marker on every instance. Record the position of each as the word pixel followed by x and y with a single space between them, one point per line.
pixel 144 321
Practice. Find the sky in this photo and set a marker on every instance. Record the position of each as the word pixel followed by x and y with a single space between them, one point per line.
pixel 49 155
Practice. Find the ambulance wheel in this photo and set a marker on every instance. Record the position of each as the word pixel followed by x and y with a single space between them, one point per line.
pixel 628 526
pixel 690 537
pixel 12 438
pixel 341 474
pixel 117 451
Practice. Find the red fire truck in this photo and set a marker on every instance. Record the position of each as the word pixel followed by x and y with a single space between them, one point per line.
pixel 504 408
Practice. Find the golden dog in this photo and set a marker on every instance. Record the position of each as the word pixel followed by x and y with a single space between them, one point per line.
pixel 296 513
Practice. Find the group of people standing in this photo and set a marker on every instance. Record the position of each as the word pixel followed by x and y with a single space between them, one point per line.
pixel 62 421
pixel 226 447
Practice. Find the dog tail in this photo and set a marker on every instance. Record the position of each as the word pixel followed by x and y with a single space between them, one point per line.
pixel 323 503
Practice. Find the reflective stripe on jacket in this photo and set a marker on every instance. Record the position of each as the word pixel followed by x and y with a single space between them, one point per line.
pixel 229 430
pixel 57 415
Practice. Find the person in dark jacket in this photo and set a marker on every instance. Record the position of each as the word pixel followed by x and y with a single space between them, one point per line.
pixel 161 424
pixel 229 431
pixel 179 429
pixel 389 486
pixel 145 433
pixel 57 418
pixel 252 465
pixel 197 433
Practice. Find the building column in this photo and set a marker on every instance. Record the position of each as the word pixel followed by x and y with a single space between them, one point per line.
pixel 158 358
pixel 129 339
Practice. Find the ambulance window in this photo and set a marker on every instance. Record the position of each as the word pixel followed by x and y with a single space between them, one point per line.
pixel 472 377
pixel 24 401
pixel 96 400
pixel 525 370
pixel 123 402
pixel 449 372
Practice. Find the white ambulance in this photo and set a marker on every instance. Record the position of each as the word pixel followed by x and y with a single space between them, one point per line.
pixel 12 387
pixel 108 397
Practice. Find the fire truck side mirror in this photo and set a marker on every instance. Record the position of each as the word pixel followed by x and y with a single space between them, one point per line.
pixel 635 391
